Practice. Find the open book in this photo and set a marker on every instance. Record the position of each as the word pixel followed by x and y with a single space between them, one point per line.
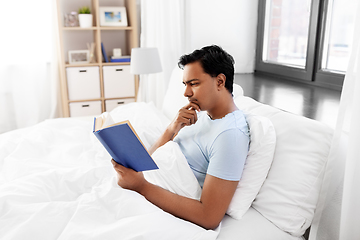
pixel 122 143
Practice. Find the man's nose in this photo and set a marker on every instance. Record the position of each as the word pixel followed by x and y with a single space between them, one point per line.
pixel 188 91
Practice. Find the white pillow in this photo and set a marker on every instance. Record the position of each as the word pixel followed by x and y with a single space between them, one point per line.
pixel 290 192
pixel 148 122
pixel 257 165
pixel 237 91
pixel 174 97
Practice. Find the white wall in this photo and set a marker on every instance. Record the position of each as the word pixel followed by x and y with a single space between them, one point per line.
pixel 230 24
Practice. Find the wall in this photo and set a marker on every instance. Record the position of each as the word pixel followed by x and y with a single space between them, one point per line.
pixel 230 24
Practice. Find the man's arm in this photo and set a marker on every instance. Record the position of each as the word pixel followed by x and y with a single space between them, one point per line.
pixel 185 117
pixel 168 135
pixel 207 213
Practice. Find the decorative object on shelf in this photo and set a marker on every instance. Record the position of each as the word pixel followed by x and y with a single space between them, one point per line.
pixel 71 19
pixel 113 16
pixel 85 17
pixel 91 48
pixel 120 59
pixel 79 56
pixel 104 52
pixel 117 52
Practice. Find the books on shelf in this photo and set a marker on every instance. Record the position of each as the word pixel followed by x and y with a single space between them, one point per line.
pixel 120 59
pixel 104 53
pixel 122 143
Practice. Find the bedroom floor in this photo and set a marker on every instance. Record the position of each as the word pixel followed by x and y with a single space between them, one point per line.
pixel 310 101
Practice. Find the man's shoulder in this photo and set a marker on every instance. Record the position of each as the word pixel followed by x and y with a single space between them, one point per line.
pixel 234 120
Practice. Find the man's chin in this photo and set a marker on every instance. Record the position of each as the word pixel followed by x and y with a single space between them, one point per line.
pixel 195 102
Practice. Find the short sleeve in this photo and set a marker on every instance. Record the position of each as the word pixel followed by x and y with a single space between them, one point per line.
pixel 228 155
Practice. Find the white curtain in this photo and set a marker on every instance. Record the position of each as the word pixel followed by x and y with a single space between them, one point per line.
pixel 162 26
pixel 230 24
pixel 338 213
pixel 28 63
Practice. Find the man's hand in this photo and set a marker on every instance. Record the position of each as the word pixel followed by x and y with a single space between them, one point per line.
pixel 128 178
pixel 185 117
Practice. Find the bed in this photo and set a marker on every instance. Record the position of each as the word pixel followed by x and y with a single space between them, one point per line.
pixel 57 181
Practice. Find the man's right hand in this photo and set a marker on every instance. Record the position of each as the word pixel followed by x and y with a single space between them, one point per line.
pixel 186 116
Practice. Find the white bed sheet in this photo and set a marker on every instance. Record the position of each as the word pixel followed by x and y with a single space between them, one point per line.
pixel 57 182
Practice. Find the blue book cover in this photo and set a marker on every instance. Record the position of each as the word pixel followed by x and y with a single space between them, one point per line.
pixel 120 59
pixel 125 147
pixel 104 52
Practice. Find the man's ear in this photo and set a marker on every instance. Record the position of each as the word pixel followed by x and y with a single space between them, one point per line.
pixel 221 79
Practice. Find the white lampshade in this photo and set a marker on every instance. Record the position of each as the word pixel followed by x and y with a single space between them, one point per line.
pixel 145 61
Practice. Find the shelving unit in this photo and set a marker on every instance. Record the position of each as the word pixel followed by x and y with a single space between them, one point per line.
pixel 76 38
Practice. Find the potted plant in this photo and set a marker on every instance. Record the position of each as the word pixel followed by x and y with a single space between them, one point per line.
pixel 85 17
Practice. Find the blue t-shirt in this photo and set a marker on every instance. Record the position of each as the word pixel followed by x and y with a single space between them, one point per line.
pixel 217 147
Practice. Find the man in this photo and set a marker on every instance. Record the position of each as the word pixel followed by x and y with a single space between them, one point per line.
pixel 215 142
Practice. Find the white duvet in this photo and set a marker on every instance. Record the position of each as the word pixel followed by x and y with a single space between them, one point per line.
pixel 57 182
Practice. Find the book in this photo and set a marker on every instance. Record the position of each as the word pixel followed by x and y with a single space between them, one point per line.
pixel 119 57
pixel 122 143
pixel 104 52
pixel 120 60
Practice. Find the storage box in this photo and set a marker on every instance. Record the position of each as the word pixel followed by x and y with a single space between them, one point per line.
pixel 118 82
pixel 83 83
pixel 111 104
pixel 90 108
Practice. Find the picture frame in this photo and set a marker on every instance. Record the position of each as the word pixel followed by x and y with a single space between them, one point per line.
pixel 79 56
pixel 113 16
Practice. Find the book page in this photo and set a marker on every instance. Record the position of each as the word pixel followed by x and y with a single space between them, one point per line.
pixel 103 121
pixel 107 120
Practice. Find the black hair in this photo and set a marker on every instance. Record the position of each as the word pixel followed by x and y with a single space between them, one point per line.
pixel 214 60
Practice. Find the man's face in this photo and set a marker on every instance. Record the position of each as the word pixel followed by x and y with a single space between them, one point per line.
pixel 200 87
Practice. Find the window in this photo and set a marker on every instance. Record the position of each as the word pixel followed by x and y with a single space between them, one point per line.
pixel 286 32
pixel 338 35
pixel 306 40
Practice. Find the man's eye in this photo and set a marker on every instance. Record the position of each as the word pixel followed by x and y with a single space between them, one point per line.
pixel 193 84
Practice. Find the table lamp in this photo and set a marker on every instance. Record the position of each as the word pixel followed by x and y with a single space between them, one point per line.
pixel 145 61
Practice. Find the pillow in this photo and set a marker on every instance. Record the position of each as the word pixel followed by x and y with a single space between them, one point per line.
pixel 148 130
pixel 257 164
pixel 237 91
pixel 174 97
pixel 174 173
pixel 290 192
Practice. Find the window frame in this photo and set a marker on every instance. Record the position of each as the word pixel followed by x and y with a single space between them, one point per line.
pixel 312 74
pixel 329 79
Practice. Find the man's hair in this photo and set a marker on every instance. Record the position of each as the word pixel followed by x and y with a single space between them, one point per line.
pixel 214 60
